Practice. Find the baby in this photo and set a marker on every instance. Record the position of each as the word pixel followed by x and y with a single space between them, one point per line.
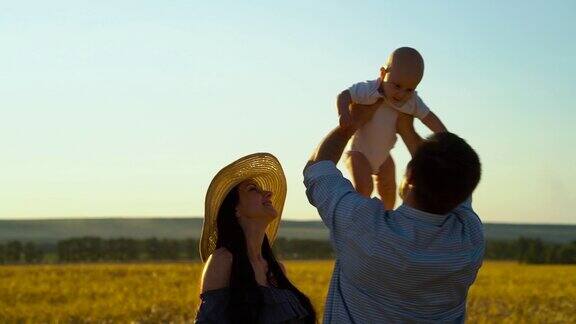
pixel 370 148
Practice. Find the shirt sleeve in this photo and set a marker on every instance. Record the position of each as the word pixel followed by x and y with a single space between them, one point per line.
pixel 213 306
pixel 421 110
pixel 364 93
pixel 336 200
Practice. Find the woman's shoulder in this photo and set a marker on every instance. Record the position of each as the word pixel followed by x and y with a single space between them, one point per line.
pixel 221 255
pixel 216 273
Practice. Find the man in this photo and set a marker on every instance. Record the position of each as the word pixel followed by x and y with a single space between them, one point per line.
pixel 412 264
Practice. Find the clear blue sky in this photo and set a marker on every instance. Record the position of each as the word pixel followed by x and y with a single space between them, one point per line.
pixel 128 108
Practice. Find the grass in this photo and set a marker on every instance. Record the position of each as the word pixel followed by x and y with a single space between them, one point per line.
pixel 505 292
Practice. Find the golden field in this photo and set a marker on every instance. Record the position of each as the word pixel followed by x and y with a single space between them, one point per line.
pixel 151 293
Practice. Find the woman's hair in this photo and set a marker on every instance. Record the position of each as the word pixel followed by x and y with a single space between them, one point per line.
pixel 246 300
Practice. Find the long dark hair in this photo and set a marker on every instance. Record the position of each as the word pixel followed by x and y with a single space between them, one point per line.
pixel 246 300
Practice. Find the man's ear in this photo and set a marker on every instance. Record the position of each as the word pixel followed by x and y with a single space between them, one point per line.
pixel 409 179
pixel 406 184
pixel 383 71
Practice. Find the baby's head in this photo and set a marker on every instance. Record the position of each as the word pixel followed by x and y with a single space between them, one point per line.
pixel 402 74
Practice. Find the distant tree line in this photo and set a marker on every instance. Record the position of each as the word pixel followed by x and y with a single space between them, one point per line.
pixel 18 252
pixel 302 249
pixel 96 249
pixel 528 250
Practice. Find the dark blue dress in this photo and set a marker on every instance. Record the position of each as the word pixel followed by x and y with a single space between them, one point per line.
pixel 280 306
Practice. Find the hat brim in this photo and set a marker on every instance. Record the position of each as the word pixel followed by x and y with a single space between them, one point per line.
pixel 266 171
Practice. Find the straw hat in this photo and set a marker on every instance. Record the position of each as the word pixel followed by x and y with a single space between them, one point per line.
pixel 265 170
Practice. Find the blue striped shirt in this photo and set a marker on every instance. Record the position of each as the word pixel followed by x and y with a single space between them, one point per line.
pixel 404 265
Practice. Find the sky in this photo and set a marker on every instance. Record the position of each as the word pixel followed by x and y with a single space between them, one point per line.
pixel 129 108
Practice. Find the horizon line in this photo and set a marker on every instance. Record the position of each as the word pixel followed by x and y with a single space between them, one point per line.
pixel 199 217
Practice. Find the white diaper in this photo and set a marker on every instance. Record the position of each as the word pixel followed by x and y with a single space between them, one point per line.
pixel 377 137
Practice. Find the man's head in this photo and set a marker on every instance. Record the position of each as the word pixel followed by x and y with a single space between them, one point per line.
pixel 443 172
pixel 402 74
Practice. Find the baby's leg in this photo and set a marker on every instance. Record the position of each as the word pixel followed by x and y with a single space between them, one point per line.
pixel 361 172
pixel 386 182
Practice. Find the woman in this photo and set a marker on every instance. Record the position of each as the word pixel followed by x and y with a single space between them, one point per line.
pixel 242 282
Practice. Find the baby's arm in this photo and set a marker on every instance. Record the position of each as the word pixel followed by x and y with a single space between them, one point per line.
pixel 433 123
pixel 343 102
pixel 427 117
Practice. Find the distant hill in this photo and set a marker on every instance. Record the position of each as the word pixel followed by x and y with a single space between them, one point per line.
pixel 50 231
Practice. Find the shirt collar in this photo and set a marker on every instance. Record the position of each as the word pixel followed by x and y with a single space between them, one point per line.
pixel 410 212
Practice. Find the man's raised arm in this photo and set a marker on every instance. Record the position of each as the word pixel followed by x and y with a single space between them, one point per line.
pixel 326 188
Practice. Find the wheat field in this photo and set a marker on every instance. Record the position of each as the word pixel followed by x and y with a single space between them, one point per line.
pixel 505 292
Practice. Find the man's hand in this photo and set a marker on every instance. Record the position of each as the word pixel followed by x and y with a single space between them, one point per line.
pixel 404 124
pixel 361 114
pixel 405 127
pixel 333 144
pixel 345 120
pixel 343 102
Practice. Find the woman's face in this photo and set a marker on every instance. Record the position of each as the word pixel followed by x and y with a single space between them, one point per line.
pixel 254 203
